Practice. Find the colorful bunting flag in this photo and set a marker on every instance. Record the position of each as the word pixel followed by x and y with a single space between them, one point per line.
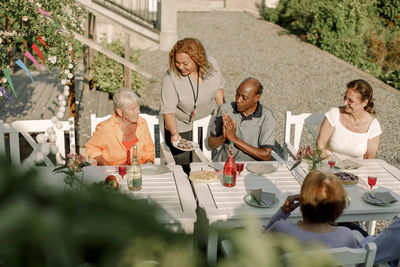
pixel 22 65
pixel 28 55
pixel 44 12
pixel 8 76
pixel 43 43
pixel 37 51
pixel 3 92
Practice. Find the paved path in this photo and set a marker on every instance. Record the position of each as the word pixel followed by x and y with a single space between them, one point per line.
pixel 296 76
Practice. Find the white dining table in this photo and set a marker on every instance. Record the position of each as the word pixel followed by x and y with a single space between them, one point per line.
pixel 388 179
pixel 170 190
pixel 225 207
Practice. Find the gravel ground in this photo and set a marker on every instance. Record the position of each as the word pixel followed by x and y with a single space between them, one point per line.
pixel 296 76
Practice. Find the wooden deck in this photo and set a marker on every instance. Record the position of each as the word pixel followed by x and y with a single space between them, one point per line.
pixel 38 100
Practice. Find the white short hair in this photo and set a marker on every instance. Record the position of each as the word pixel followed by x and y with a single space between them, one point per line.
pixel 125 96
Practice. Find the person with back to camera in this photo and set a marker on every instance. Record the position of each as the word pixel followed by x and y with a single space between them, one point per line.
pixel 192 81
pixel 351 131
pixel 322 200
pixel 112 141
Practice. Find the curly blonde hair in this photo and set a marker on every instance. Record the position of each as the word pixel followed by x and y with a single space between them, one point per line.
pixel 197 53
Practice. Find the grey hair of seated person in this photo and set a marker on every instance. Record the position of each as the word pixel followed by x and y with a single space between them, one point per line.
pixel 125 97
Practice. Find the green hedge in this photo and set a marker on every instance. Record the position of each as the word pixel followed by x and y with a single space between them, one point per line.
pixel 108 74
pixel 365 33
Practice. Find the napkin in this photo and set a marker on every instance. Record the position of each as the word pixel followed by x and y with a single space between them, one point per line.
pixel 263 198
pixel 381 197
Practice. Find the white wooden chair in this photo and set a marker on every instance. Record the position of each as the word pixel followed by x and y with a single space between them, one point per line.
pixel 311 120
pixel 26 128
pixel 201 126
pixel 152 121
pixel 344 256
pixel 205 154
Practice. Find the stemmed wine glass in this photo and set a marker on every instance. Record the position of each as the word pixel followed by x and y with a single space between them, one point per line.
pixel 122 171
pixel 331 161
pixel 239 167
pixel 371 181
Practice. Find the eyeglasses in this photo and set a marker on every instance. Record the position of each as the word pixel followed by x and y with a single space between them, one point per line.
pixel 350 100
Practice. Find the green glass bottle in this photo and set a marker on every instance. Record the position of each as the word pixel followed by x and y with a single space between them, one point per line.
pixel 134 175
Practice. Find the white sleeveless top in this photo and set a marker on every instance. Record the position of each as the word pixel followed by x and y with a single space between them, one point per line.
pixel 345 143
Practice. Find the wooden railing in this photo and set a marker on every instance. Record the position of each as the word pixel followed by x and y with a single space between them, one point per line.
pixel 111 54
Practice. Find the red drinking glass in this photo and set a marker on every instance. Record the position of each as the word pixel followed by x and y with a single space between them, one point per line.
pixel 331 163
pixel 371 181
pixel 239 167
pixel 122 171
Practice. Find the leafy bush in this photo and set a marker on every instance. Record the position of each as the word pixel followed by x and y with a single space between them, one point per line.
pixel 357 31
pixel 108 74
pixel 389 10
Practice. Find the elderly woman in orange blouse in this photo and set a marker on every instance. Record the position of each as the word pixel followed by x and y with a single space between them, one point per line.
pixel 112 142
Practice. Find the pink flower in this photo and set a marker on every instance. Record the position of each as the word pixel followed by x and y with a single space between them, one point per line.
pixel 4 80
pixel 24 18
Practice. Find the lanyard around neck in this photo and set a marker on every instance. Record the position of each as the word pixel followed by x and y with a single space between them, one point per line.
pixel 195 96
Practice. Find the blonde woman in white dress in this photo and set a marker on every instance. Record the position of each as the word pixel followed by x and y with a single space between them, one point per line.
pixel 351 131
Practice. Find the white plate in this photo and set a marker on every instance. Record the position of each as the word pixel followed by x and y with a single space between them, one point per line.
pixel 261 168
pixel 252 202
pixel 367 199
pixel 347 164
pixel 195 145
pixel 215 178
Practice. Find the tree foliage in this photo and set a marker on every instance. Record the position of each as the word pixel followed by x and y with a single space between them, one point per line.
pixel 21 20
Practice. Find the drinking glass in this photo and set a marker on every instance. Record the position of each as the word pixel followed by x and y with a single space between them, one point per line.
pixel 371 181
pixel 122 171
pixel 239 167
pixel 331 161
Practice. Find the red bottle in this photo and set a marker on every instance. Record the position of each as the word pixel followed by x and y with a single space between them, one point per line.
pixel 229 177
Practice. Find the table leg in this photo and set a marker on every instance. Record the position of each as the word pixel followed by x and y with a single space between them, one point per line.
pixel 371 227
pixel 212 247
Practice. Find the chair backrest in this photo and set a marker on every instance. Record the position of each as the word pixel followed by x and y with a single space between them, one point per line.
pixel 311 120
pixel 26 128
pixel 96 120
pixel 344 256
pixel 201 126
